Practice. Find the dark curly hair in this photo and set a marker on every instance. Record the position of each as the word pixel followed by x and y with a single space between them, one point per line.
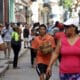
pixel 42 25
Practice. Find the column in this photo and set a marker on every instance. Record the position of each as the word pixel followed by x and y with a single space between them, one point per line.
pixel 6 11
pixel 1 11
pixel 11 11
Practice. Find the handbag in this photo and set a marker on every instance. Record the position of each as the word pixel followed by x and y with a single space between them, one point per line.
pixel 13 42
pixel 3 47
pixel 46 48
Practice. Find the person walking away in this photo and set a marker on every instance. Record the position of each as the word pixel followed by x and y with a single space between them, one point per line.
pixel 33 53
pixel 50 29
pixel 6 32
pixel 26 35
pixel 59 34
pixel 69 47
pixel 43 45
pixel 16 45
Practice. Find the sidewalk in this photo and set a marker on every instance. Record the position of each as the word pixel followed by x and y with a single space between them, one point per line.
pixel 4 63
pixel 25 71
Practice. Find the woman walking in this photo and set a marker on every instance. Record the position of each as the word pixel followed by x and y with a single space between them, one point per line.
pixel 16 45
pixel 69 48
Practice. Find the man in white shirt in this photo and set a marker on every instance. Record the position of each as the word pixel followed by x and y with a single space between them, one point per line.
pixel 7 31
pixel 1 40
pixel 2 45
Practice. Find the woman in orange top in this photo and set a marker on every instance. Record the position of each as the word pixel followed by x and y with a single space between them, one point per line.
pixel 41 59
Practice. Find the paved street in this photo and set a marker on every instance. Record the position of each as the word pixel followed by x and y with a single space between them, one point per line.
pixel 26 72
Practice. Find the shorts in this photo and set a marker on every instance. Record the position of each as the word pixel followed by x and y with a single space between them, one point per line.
pixel 26 39
pixel 41 68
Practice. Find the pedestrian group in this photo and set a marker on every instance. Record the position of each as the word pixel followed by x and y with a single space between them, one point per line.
pixel 47 44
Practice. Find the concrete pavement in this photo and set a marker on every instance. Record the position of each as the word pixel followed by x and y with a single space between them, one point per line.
pixel 4 62
pixel 26 72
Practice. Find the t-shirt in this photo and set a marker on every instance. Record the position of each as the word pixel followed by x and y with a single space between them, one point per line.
pixel 7 33
pixel 15 35
pixel 37 43
pixel 58 35
pixel 70 60
pixel 25 33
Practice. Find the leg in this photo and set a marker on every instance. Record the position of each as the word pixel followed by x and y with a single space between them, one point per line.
pixel 27 42
pixel 9 48
pixel 15 60
pixel 16 53
pixel 5 51
pixel 32 57
pixel 42 77
pixel 47 77
pixel 41 70
pixel 24 42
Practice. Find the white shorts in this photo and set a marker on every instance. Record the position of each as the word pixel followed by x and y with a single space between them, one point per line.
pixel 26 39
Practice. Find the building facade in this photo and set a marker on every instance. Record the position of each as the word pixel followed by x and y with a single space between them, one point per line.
pixel 11 11
pixel 22 11
pixel 4 7
pixel 1 11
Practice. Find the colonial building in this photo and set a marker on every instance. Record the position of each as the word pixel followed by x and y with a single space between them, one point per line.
pixel 11 11
pixel 4 11
pixel 23 11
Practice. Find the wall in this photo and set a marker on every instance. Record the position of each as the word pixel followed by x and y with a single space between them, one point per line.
pixel 11 11
pixel 1 11
pixel 6 11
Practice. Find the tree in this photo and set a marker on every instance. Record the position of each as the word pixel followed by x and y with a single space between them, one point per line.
pixel 67 4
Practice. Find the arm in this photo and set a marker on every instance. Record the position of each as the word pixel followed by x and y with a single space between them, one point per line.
pixel 53 58
pixel 55 55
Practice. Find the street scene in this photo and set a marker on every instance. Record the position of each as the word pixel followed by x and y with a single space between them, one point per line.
pixel 39 40
pixel 26 72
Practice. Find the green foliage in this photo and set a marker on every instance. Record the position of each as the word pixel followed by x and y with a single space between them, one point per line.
pixel 67 4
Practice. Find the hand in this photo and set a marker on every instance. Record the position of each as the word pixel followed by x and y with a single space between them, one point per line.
pixel 48 72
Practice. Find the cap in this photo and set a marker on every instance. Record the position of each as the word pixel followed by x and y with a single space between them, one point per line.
pixel 72 21
pixel 70 25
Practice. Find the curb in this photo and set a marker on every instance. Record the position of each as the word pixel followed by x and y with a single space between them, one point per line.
pixel 3 68
pixel 5 63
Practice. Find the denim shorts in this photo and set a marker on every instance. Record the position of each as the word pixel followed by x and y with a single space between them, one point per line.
pixel 72 76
